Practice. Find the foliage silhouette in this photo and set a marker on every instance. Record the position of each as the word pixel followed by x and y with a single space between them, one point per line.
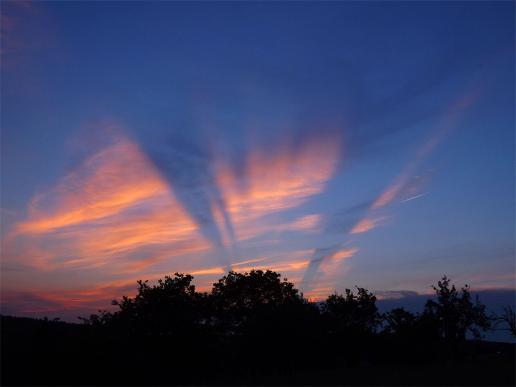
pixel 350 312
pixel 256 328
pixel 239 298
pixel 171 307
pixel 400 322
pixel 508 317
pixel 454 313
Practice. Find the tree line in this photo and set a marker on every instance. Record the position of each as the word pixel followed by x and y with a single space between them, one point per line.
pixel 258 328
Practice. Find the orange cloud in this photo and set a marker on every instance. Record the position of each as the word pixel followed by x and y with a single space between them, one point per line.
pixel 332 263
pixel 305 223
pixel 364 225
pixel 343 254
pixel 116 218
pixel 111 207
pixel 214 270
pixel 329 271
pixel 367 224
pixel 82 300
pixel 391 193
pixel 276 181
pixel 109 182
pixel 273 181
pixel 280 267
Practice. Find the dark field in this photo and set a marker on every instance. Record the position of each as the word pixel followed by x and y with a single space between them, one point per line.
pixel 256 329
pixel 37 352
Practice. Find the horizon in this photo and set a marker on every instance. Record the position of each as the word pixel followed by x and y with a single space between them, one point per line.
pixel 318 140
pixel 495 299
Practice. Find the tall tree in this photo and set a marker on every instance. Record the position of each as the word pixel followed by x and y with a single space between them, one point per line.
pixel 240 297
pixel 357 312
pixel 509 318
pixel 455 313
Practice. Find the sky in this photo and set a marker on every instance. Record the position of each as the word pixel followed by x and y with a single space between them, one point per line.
pixel 338 143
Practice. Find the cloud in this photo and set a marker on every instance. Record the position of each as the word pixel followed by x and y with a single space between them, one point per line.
pixel 118 214
pixel 305 223
pixel 407 182
pixel 70 303
pixel 394 294
pixel 406 186
pixel 229 200
pixel 323 262
pixel 234 266
pixel 277 179
pixel 112 180
pixel 24 302
pixel 111 208
pixel 343 220
pixel 365 225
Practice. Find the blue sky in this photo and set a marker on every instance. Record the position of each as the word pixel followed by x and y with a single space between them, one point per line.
pixel 340 143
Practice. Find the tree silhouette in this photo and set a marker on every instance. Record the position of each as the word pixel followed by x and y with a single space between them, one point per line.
pixel 255 312
pixel 353 312
pixel 171 307
pixel 240 297
pixel 256 327
pixel 509 318
pixel 454 313
pixel 400 322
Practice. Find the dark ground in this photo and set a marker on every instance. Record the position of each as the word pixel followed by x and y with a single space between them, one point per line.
pixel 39 352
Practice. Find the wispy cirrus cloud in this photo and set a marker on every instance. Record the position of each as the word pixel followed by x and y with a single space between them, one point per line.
pixel 365 225
pixel 406 186
pixel 322 267
pixel 104 212
pixel 279 179
pixel 125 211
pixel 118 213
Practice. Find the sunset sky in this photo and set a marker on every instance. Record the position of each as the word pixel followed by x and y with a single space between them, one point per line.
pixel 338 143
